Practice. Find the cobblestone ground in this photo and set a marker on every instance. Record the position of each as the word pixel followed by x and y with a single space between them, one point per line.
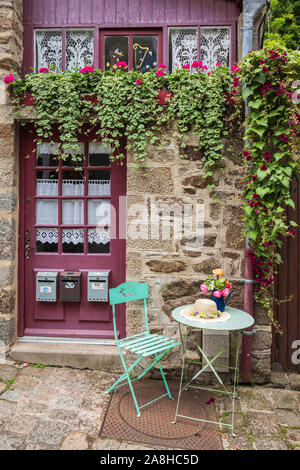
pixel 63 408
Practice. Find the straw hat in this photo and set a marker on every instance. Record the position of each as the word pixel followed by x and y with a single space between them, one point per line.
pixel 204 309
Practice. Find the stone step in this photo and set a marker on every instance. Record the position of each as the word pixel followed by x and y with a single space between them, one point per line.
pixel 80 356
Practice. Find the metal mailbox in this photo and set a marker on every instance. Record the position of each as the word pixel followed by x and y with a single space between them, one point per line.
pixel 70 286
pixel 98 286
pixel 46 286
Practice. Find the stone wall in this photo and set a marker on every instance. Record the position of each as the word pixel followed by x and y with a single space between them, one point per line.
pixel 11 54
pixel 174 268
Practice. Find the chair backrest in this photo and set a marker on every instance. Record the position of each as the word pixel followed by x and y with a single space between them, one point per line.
pixel 127 292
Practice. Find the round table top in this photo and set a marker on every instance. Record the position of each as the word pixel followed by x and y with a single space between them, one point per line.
pixel 238 320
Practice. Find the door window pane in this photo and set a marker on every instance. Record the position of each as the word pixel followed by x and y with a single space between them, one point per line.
pixel 73 156
pixel 115 50
pixel 215 46
pixel 72 212
pixel 98 240
pixel 144 53
pixel 98 212
pixel 183 47
pixel 72 183
pixel 98 154
pixel 46 154
pixel 79 49
pixel 46 212
pixel 73 240
pixel 47 183
pixel 46 240
pixel 99 183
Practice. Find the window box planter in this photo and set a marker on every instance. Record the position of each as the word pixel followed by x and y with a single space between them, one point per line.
pixel 164 97
pixel 26 100
pixel 92 98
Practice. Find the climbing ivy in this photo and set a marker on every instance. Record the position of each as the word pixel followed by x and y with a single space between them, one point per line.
pixel 120 103
pixel 271 158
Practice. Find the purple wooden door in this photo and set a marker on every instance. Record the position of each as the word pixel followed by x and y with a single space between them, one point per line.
pixel 69 222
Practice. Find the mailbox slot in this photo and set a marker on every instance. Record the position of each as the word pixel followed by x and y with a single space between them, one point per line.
pixel 70 286
pixel 46 286
pixel 98 286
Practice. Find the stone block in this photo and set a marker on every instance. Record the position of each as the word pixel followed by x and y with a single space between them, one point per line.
pixel 6 275
pixel 262 339
pixel 150 180
pixel 7 330
pixel 212 343
pixel 133 265
pixel 7 301
pixel 7 172
pixel 7 202
pixel 166 267
pixel 295 381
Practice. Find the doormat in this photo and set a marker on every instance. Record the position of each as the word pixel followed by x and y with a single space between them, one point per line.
pixel 155 427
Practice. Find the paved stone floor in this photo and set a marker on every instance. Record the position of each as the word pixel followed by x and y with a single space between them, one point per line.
pixel 43 407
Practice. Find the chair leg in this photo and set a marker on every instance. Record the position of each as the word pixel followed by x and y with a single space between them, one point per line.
pixel 164 378
pixel 129 381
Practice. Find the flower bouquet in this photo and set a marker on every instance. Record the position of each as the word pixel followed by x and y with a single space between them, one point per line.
pixel 220 288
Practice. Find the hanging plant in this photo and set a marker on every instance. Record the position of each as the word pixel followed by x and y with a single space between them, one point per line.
pixel 119 103
pixel 271 160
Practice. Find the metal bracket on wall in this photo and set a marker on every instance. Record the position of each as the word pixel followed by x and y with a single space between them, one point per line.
pixel 245 332
pixel 248 281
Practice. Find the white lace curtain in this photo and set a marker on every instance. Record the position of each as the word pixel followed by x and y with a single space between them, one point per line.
pixel 75 236
pixel 72 212
pixel 48 187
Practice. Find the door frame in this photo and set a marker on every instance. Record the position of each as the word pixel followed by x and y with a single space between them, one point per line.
pixel 24 131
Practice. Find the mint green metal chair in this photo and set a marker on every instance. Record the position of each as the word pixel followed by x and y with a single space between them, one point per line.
pixel 142 344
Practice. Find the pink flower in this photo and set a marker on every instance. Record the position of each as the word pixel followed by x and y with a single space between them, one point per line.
pixel 218 294
pixel 161 66
pixel 122 64
pixel 234 68
pixel 186 66
pixel 87 69
pixel 138 82
pixel 284 138
pixel 44 70
pixel 197 64
pixel 268 156
pixel 228 285
pixel 8 79
pixel 204 288
pixel 159 73
pixel 219 64
pixel 226 291
pixel 204 67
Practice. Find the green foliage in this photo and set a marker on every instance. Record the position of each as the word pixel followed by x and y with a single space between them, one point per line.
pixel 271 158
pixel 285 23
pixel 117 106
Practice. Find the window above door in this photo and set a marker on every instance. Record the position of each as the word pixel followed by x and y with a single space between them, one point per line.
pixel 140 49
pixel 210 44
pixel 66 49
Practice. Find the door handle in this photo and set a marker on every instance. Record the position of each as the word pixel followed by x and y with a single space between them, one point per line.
pixel 28 246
